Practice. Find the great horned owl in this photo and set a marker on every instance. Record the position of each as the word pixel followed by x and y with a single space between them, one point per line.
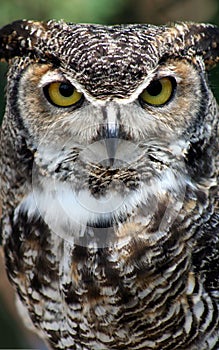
pixel 109 183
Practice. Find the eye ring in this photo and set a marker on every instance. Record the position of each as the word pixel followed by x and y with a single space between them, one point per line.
pixel 62 94
pixel 159 92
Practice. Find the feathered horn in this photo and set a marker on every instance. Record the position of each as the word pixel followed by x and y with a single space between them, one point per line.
pixel 20 38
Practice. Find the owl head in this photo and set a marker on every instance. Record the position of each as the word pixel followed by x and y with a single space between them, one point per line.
pixel 109 118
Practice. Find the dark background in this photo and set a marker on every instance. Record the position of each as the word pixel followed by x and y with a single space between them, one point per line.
pixel 12 333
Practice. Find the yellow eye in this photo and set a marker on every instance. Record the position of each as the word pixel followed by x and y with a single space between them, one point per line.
pixel 62 94
pixel 159 91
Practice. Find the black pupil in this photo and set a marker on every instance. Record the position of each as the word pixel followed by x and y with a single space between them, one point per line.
pixel 155 88
pixel 66 90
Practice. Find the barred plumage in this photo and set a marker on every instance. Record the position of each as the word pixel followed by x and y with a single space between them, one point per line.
pixel 109 183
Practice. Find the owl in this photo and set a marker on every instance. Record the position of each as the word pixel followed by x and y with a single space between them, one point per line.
pixel 109 183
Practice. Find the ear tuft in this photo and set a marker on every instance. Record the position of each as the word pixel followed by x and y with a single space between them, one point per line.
pixel 19 38
pixel 201 40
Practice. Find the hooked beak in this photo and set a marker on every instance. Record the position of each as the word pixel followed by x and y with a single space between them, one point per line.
pixel 111 132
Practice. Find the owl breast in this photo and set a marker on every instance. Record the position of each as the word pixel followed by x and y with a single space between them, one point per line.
pixel 109 184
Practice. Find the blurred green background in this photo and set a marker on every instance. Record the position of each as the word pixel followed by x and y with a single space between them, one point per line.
pixel 12 333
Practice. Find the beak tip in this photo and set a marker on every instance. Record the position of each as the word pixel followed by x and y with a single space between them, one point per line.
pixel 111 148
